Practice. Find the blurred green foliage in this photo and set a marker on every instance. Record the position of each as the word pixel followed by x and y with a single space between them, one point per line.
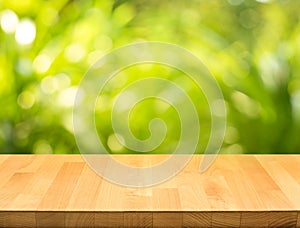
pixel 251 47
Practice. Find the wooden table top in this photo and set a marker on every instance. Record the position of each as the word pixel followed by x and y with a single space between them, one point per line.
pixel 237 190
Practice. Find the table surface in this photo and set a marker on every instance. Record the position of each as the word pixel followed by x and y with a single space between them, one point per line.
pixel 232 190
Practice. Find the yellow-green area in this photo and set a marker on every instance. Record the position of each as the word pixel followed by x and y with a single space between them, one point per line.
pixel 251 47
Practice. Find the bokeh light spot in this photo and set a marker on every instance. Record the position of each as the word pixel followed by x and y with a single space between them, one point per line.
pixel 74 53
pixel 24 66
pixel 9 21
pixel 103 43
pixel 42 147
pixel 67 96
pixel 26 99
pixel 245 104
pixel 49 85
pixel 26 32
pixel 114 144
pixel 63 80
pixel 22 130
pixel 42 63
pixel 295 101
pixel 232 135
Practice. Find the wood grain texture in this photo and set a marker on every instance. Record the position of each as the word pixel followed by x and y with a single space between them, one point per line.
pixel 109 219
pixel 226 219
pixel 50 219
pixel 196 219
pixel 17 219
pixel 254 219
pixel 167 219
pixel 236 191
pixel 138 219
pixel 79 219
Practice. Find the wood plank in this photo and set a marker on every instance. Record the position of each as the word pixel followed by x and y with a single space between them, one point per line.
pixel 110 198
pixel 49 219
pixel 79 219
pixel 35 190
pixel 265 187
pixel 34 165
pixel 192 193
pixel 137 199
pixel 3 157
pixel 290 163
pixel 197 219
pixel 12 165
pixel 287 184
pixel 13 188
pixel 167 219
pixel 254 219
pixel 138 219
pixel 282 219
pixel 236 191
pixel 109 219
pixel 226 219
pixel 237 182
pixel 17 219
pixel 61 190
pixel 87 187
pixel 218 193
pixel 166 199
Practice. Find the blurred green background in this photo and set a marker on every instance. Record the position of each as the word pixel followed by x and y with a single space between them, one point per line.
pixel 251 47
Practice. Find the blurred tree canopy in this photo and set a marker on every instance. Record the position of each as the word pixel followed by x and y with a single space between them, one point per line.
pixel 251 47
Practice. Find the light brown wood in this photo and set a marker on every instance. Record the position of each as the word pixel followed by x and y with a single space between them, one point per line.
pixel 79 219
pixel 17 219
pixel 254 219
pixel 236 191
pixel 109 219
pixel 167 219
pixel 50 219
pixel 138 219
pixel 226 219
pixel 195 219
